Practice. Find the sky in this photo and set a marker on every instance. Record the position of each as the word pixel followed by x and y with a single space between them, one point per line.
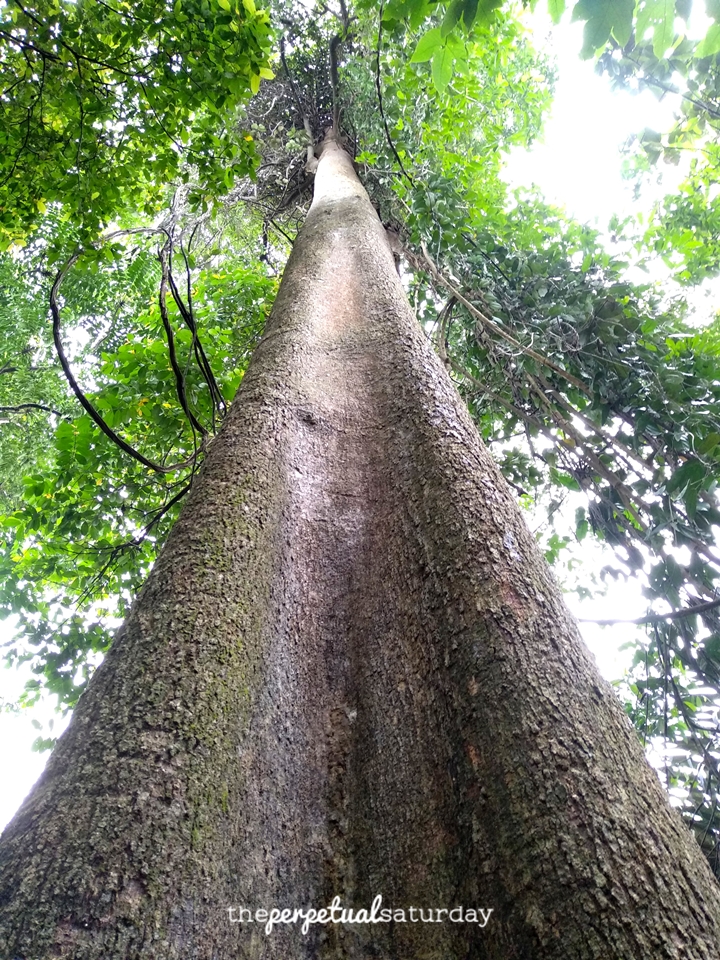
pixel 577 165
pixel 577 162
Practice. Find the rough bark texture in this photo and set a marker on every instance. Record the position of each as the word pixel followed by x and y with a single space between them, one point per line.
pixel 350 674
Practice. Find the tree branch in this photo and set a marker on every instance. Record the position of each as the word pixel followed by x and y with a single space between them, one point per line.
pixel 659 617
pixel 34 406
pixel 186 312
pixel 335 82
pixel 74 386
pixel 443 328
pixel 179 378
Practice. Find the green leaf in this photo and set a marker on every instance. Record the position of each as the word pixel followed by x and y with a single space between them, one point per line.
pixel 486 11
pixel 427 46
pixel 692 472
pixel 564 479
pixel 660 15
pixel 470 12
pixel 604 17
pixel 710 44
pixel 708 444
pixel 419 10
pixel 581 523
pixel 663 36
pixel 556 8
pixel 454 12
pixel 595 35
pixel 398 9
pixel 442 69
pixel 711 647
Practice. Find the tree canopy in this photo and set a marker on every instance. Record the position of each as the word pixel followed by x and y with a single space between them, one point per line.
pixel 153 178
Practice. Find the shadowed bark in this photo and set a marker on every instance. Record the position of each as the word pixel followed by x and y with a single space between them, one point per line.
pixel 350 674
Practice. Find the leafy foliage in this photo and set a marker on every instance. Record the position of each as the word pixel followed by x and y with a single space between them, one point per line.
pixel 644 31
pixel 684 227
pixel 105 104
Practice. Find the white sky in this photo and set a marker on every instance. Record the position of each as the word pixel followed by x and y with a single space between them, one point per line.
pixel 19 764
pixel 577 162
pixel 576 165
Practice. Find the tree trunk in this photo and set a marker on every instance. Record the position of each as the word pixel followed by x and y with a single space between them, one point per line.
pixel 350 674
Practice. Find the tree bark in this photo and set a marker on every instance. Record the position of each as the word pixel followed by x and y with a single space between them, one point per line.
pixel 350 674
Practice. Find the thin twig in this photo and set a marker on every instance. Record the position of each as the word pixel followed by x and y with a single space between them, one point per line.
pixel 378 87
pixel 186 312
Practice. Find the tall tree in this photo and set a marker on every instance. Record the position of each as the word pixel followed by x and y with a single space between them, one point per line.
pixel 350 673
pixel 347 538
